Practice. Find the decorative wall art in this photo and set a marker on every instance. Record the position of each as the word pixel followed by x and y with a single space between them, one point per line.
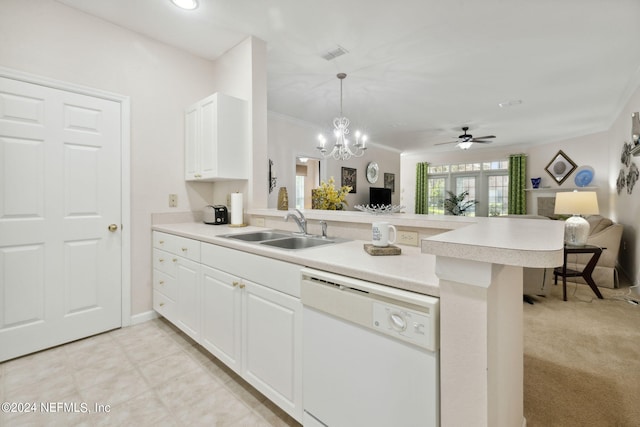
pixel 560 167
pixel 583 176
pixel 350 178
pixel 390 181
pixel 372 172
pixel 621 181
pixel 625 157
pixel 632 177
pixel 629 173
pixel 272 177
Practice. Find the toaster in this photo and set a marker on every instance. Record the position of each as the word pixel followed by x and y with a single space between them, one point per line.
pixel 215 214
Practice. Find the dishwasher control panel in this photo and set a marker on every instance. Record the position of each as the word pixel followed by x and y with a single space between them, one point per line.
pixel 405 324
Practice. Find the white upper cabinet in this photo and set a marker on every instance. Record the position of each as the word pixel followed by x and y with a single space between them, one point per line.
pixel 217 144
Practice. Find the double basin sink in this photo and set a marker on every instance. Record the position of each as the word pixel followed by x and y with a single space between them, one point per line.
pixel 282 239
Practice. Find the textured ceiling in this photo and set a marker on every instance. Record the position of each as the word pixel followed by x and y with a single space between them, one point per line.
pixel 418 70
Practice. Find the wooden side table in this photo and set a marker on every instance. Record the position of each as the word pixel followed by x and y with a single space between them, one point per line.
pixel 565 272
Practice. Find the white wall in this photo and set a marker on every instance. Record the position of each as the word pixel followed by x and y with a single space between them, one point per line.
pixel 289 138
pixel 46 38
pixel 625 207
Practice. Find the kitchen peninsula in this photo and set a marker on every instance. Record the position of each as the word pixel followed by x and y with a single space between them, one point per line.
pixel 474 265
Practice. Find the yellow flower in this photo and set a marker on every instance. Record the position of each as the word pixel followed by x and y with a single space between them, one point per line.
pixel 328 197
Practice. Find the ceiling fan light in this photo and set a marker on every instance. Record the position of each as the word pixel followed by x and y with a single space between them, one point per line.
pixel 186 4
pixel 465 145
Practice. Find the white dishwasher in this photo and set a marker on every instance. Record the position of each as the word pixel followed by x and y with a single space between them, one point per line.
pixel 370 354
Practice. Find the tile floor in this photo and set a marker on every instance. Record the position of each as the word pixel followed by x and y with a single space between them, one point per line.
pixel 149 374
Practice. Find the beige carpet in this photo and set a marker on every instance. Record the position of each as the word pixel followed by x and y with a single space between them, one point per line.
pixel 582 359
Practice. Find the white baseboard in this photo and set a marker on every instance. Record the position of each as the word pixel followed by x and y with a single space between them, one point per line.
pixel 143 317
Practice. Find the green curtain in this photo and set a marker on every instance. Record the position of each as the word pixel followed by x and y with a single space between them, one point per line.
pixel 517 184
pixel 422 187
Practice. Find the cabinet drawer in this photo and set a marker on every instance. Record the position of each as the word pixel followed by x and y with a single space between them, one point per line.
pixel 188 248
pixel 165 262
pixel 272 273
pixel 164 305
pixel 165 284
pixel 164 241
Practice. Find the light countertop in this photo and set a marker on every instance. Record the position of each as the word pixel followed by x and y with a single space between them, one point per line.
pixel 412 270
pixel 510 241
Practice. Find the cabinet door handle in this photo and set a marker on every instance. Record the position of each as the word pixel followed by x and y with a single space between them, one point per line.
pixel 175 260
pixel 234 283
pixel 161 242
pixel 161 260
pixel 161 304
pixel 242 285
pixel 185 249
pixel 162 282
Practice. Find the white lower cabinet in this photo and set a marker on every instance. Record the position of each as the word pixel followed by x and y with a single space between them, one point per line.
pixel 272 346
pixel 222 316
pixel 176 281
pixel 256 331
pixel 189 305
pixel 243 308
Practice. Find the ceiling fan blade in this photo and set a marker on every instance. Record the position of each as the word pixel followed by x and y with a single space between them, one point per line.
pixel 481 142
pixel 445 143
pixel 484 137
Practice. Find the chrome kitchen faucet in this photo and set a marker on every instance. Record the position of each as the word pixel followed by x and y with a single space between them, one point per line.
pixel 302 221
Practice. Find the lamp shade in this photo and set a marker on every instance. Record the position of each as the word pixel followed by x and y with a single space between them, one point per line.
pixel 576 228
pixel 576 203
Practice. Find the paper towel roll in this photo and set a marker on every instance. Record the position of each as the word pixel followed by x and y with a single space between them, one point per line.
pixel 236 208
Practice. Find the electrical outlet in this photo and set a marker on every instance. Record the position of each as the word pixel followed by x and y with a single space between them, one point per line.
pixel 409 238
pixel 258 222
pixel 173 200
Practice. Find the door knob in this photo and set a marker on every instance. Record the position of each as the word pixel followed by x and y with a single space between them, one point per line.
pixel 112 227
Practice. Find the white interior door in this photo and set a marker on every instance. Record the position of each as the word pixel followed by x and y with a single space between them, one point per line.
pixel 60 185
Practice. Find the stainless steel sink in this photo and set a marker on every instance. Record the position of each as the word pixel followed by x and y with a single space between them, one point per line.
pixel 258 236
pixel 297 242
pixel 282 239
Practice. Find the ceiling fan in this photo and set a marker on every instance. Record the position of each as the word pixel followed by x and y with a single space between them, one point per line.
pixel 465 140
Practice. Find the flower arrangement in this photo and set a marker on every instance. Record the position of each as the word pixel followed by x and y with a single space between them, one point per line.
pixel 328 197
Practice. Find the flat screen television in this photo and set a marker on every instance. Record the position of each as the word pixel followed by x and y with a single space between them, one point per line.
pixel 379 196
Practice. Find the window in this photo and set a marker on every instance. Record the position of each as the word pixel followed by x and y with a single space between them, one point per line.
pixel 299 192
pixel 468 184
pixel 437 195
pixel 498 195
pixel 486 182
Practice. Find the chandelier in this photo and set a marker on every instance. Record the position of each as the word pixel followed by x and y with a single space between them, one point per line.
pixel 343 149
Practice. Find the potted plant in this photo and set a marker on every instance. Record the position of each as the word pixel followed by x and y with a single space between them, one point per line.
pixel 456 205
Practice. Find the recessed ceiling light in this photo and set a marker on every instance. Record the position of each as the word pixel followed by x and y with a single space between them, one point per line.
pixel 510 103
pixel 186 4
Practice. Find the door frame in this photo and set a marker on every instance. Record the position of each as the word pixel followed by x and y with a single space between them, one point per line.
pixel 125 168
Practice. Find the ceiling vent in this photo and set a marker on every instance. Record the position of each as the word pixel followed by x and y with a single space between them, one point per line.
pixel 333 54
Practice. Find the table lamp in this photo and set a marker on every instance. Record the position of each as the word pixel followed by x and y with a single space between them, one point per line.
pixel 576 203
